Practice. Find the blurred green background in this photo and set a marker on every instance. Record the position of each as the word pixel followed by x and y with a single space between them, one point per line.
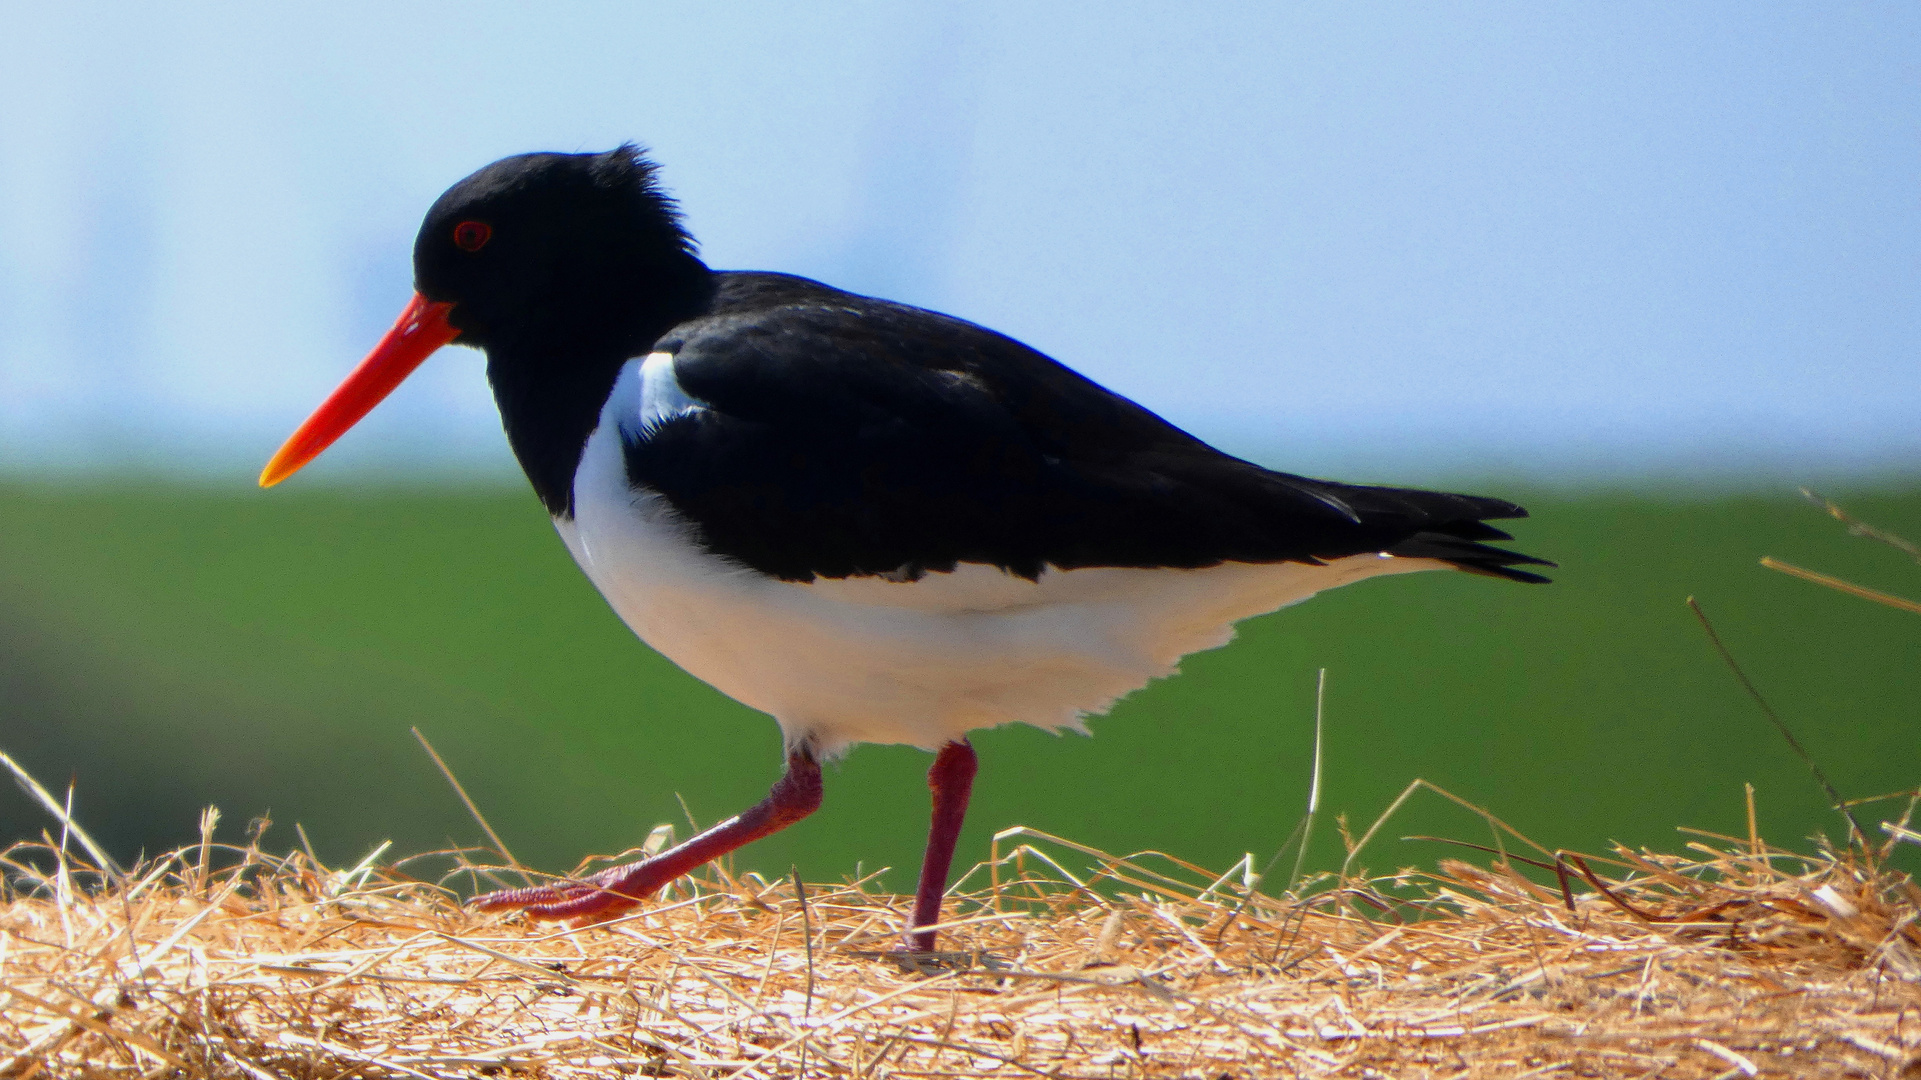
pixel 168 646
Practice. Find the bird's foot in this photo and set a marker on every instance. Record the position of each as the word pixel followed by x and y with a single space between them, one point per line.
pixel 589 899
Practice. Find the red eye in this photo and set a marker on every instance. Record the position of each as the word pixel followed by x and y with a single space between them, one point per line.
pixel 472 235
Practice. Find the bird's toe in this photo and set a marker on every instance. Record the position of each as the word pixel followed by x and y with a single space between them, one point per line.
pixel 589 899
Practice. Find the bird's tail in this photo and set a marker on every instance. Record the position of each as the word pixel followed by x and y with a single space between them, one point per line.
pixel 1450 528
pixel 1468 553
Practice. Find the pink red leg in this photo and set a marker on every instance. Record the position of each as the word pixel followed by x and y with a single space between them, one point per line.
pixel 951 780
pixel 794 796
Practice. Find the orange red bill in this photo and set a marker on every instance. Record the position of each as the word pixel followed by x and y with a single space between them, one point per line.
pixel 420 330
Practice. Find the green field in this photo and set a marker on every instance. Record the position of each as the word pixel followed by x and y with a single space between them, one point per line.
pixel 170 647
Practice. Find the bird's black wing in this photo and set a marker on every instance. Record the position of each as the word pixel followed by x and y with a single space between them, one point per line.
pixel 846 436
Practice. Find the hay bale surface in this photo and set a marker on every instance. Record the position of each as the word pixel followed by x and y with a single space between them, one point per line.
pixel 1736 960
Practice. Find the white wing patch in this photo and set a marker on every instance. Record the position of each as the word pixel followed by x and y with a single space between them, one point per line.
pixel 661 397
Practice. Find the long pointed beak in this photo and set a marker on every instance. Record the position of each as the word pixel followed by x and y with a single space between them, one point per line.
pixel 420 330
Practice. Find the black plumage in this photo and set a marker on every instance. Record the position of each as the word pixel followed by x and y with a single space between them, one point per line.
pixel 845 435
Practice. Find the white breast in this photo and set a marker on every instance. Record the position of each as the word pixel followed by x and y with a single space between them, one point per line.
pixel 843 661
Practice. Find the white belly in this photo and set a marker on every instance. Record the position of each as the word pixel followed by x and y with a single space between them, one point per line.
pixel 843 661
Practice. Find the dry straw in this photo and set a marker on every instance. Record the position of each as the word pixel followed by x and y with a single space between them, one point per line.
pixel 1736 959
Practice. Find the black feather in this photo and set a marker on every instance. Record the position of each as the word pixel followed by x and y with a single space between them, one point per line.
pixel 845 435
pixel 848 436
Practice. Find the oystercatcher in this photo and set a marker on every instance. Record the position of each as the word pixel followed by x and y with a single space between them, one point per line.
pixel 873 522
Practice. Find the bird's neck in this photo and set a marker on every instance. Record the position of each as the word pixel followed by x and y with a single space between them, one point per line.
pixel 551 378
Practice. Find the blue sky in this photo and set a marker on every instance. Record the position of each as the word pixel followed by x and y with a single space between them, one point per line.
pixel 1549 240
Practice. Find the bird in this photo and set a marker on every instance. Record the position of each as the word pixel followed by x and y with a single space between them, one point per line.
pixel 871 521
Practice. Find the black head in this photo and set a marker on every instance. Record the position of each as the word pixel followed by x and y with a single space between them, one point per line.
pixel 562 267
pixel 557 249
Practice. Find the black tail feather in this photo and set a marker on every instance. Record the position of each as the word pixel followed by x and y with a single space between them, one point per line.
pixel 1446 545
pixel 1438 525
